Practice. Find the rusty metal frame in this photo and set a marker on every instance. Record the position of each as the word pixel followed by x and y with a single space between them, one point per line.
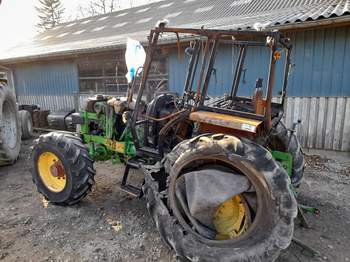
pixel 208 74
pixel 287 65
pixel 238 71
pixel 241 38
pixel 153 40
pixel 270 84
pixel 193 64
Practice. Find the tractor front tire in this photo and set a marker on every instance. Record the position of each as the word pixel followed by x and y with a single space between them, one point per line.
pixel 277 208
pixel 63 171
pixel 287 141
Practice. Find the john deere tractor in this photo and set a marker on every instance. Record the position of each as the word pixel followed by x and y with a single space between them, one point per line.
pixel 218 171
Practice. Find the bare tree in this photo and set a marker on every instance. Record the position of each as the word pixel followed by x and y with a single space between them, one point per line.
pixel 50 13
pixel 98 7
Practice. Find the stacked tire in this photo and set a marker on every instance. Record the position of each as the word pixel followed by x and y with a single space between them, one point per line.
pixel 26 124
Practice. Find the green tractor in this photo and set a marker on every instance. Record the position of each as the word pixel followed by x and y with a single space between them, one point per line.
pixel 218 172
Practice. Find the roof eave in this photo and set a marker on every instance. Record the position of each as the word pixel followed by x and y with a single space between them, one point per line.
pixel 342 20
pixel 59 55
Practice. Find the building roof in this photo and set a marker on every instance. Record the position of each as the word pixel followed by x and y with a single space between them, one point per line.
pixel 110 31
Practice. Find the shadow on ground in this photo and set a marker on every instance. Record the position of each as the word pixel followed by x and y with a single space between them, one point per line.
pixel 110 226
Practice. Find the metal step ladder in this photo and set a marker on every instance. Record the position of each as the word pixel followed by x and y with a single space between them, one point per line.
pixel 128 188
pixel 136 163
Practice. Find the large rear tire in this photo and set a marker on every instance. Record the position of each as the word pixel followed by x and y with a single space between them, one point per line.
pixel 63 171
pixel 273 225
pixel 10 131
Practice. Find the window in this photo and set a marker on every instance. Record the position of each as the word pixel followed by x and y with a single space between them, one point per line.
pixel 105 74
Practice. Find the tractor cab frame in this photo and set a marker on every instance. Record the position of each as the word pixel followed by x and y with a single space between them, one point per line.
pixel 230 113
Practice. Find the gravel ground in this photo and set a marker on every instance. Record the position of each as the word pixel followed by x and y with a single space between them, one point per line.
pixel 109 225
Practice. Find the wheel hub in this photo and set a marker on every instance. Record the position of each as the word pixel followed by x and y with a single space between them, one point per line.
pixel 232 218
pixel 57 170
pixel 51 171
pixel 213 200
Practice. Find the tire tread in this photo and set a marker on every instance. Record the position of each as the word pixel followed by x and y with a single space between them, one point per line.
pixel 80 165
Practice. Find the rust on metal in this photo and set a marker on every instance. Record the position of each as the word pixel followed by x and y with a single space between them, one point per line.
pixel 271 82
pixel 228 121
pixel 205 128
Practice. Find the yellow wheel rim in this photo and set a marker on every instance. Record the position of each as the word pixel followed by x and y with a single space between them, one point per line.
pixel 52 172
pixel 232 218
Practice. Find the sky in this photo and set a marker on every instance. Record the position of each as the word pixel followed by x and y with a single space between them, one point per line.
pixel 19 17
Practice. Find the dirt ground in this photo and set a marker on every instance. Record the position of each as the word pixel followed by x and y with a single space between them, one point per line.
pixel 108 225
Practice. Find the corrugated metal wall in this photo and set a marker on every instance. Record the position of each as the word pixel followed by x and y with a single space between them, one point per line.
pixel 321 58
pixel 256 66
pixel 322 63
pixel 51 85
pixel 221 79
pixel 325 121
pixel 48 102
